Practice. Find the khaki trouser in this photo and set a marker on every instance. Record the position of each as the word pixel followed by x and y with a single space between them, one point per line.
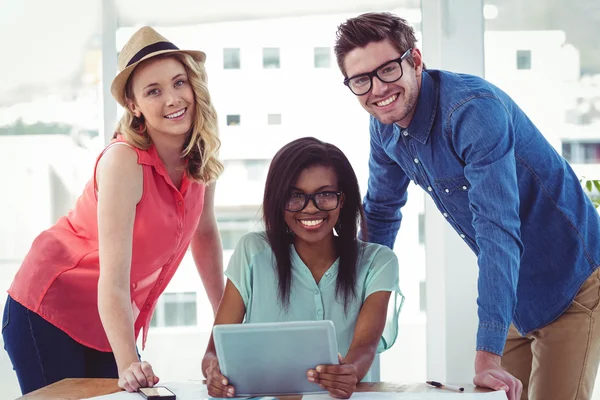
pixel 560 360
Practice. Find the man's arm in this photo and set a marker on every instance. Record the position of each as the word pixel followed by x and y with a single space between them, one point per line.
pixel 208 251
pixel 386 194
pixel 483 136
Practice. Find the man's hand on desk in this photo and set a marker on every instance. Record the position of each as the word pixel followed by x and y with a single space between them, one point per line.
pixel 339 380
pixel 137 375
pixel 490 374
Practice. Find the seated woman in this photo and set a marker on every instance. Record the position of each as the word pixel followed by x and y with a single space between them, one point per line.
pixel 309 265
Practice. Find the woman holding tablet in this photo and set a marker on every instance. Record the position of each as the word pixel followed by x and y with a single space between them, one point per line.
pixel 309 265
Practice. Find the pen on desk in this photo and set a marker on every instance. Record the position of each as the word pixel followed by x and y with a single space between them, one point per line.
pixel 443 386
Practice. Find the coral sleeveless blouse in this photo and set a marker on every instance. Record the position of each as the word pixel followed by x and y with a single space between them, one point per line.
pixel 59 276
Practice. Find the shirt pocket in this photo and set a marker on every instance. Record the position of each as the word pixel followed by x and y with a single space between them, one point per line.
pixel 454 193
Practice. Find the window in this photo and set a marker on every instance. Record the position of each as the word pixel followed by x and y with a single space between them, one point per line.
pixel 233 120
pixel 322 57
pixel 235 222
pixel 581 152
pixel 231 237
pixel 523 59
pixel 270 57
pixel 257 169
pixel 231 59
pixel 421 228
pixel 175 309
pixel 567 152
pixel 274 119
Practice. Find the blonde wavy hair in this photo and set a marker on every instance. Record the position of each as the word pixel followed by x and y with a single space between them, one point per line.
pixel 202 145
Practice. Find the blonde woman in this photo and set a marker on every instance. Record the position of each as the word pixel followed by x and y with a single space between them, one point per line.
pixel 90 283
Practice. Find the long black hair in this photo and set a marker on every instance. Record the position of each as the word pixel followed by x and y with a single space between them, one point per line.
pixel 286 167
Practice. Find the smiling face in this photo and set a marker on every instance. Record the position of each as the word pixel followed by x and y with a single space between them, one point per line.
pixel 388 102
pixel 163 95
pixel 311 224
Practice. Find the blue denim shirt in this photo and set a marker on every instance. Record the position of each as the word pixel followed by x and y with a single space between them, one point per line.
pixel 504 189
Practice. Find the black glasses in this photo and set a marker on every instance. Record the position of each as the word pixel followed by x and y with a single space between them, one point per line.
pixel 324 201
pixel 389 72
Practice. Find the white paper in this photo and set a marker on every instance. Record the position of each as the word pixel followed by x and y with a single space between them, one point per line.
pixel 441 395
pixel 198 391
pixel 183 391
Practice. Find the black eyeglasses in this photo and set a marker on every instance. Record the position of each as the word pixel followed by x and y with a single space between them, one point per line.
pixel 324 201
pixel 389 72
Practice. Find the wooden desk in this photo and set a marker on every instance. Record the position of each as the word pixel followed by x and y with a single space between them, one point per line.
pixel 74 389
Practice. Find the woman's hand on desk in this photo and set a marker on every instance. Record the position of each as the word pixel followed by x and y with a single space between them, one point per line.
pixel 339 380
pixel 137 375
pixel 218 385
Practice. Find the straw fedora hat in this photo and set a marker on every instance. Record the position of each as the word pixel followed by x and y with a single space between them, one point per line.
pixel 144 44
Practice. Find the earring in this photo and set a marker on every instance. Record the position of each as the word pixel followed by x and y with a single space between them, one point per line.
pixel 287 229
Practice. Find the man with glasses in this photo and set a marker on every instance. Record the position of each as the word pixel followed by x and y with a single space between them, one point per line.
pixel 509 195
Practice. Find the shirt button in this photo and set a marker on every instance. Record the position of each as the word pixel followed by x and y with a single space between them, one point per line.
pixel 447 190
pixel 405 133
pixel 446 215
pixel 320 312
pixel 462 235
pixel 147 306
pixel 429 188
pixel 416 160
pixel 464 188
pixel 160 281
pixel 327 274
pixel 317 292
pixel 180 203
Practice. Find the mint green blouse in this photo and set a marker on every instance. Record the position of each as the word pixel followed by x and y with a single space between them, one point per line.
pixel 252 270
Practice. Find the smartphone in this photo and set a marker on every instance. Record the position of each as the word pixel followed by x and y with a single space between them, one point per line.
pixel 156 393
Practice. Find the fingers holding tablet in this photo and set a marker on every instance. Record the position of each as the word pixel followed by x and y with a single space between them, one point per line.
pixel 339 380
pixel 218 385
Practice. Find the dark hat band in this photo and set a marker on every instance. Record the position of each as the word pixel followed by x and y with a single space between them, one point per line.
pixel 151 48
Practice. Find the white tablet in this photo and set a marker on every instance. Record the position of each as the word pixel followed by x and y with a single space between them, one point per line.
pixel 273 358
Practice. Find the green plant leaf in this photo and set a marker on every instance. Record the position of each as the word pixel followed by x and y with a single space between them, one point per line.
pixel 588 186
pixel 596 184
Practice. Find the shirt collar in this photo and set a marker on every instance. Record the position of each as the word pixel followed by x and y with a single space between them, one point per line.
pixel 151 157
pixel 154 159
pixel 422 122
pixel 298 265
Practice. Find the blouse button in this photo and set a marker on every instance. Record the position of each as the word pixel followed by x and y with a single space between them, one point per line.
pixel 320 313
pixel 180 203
